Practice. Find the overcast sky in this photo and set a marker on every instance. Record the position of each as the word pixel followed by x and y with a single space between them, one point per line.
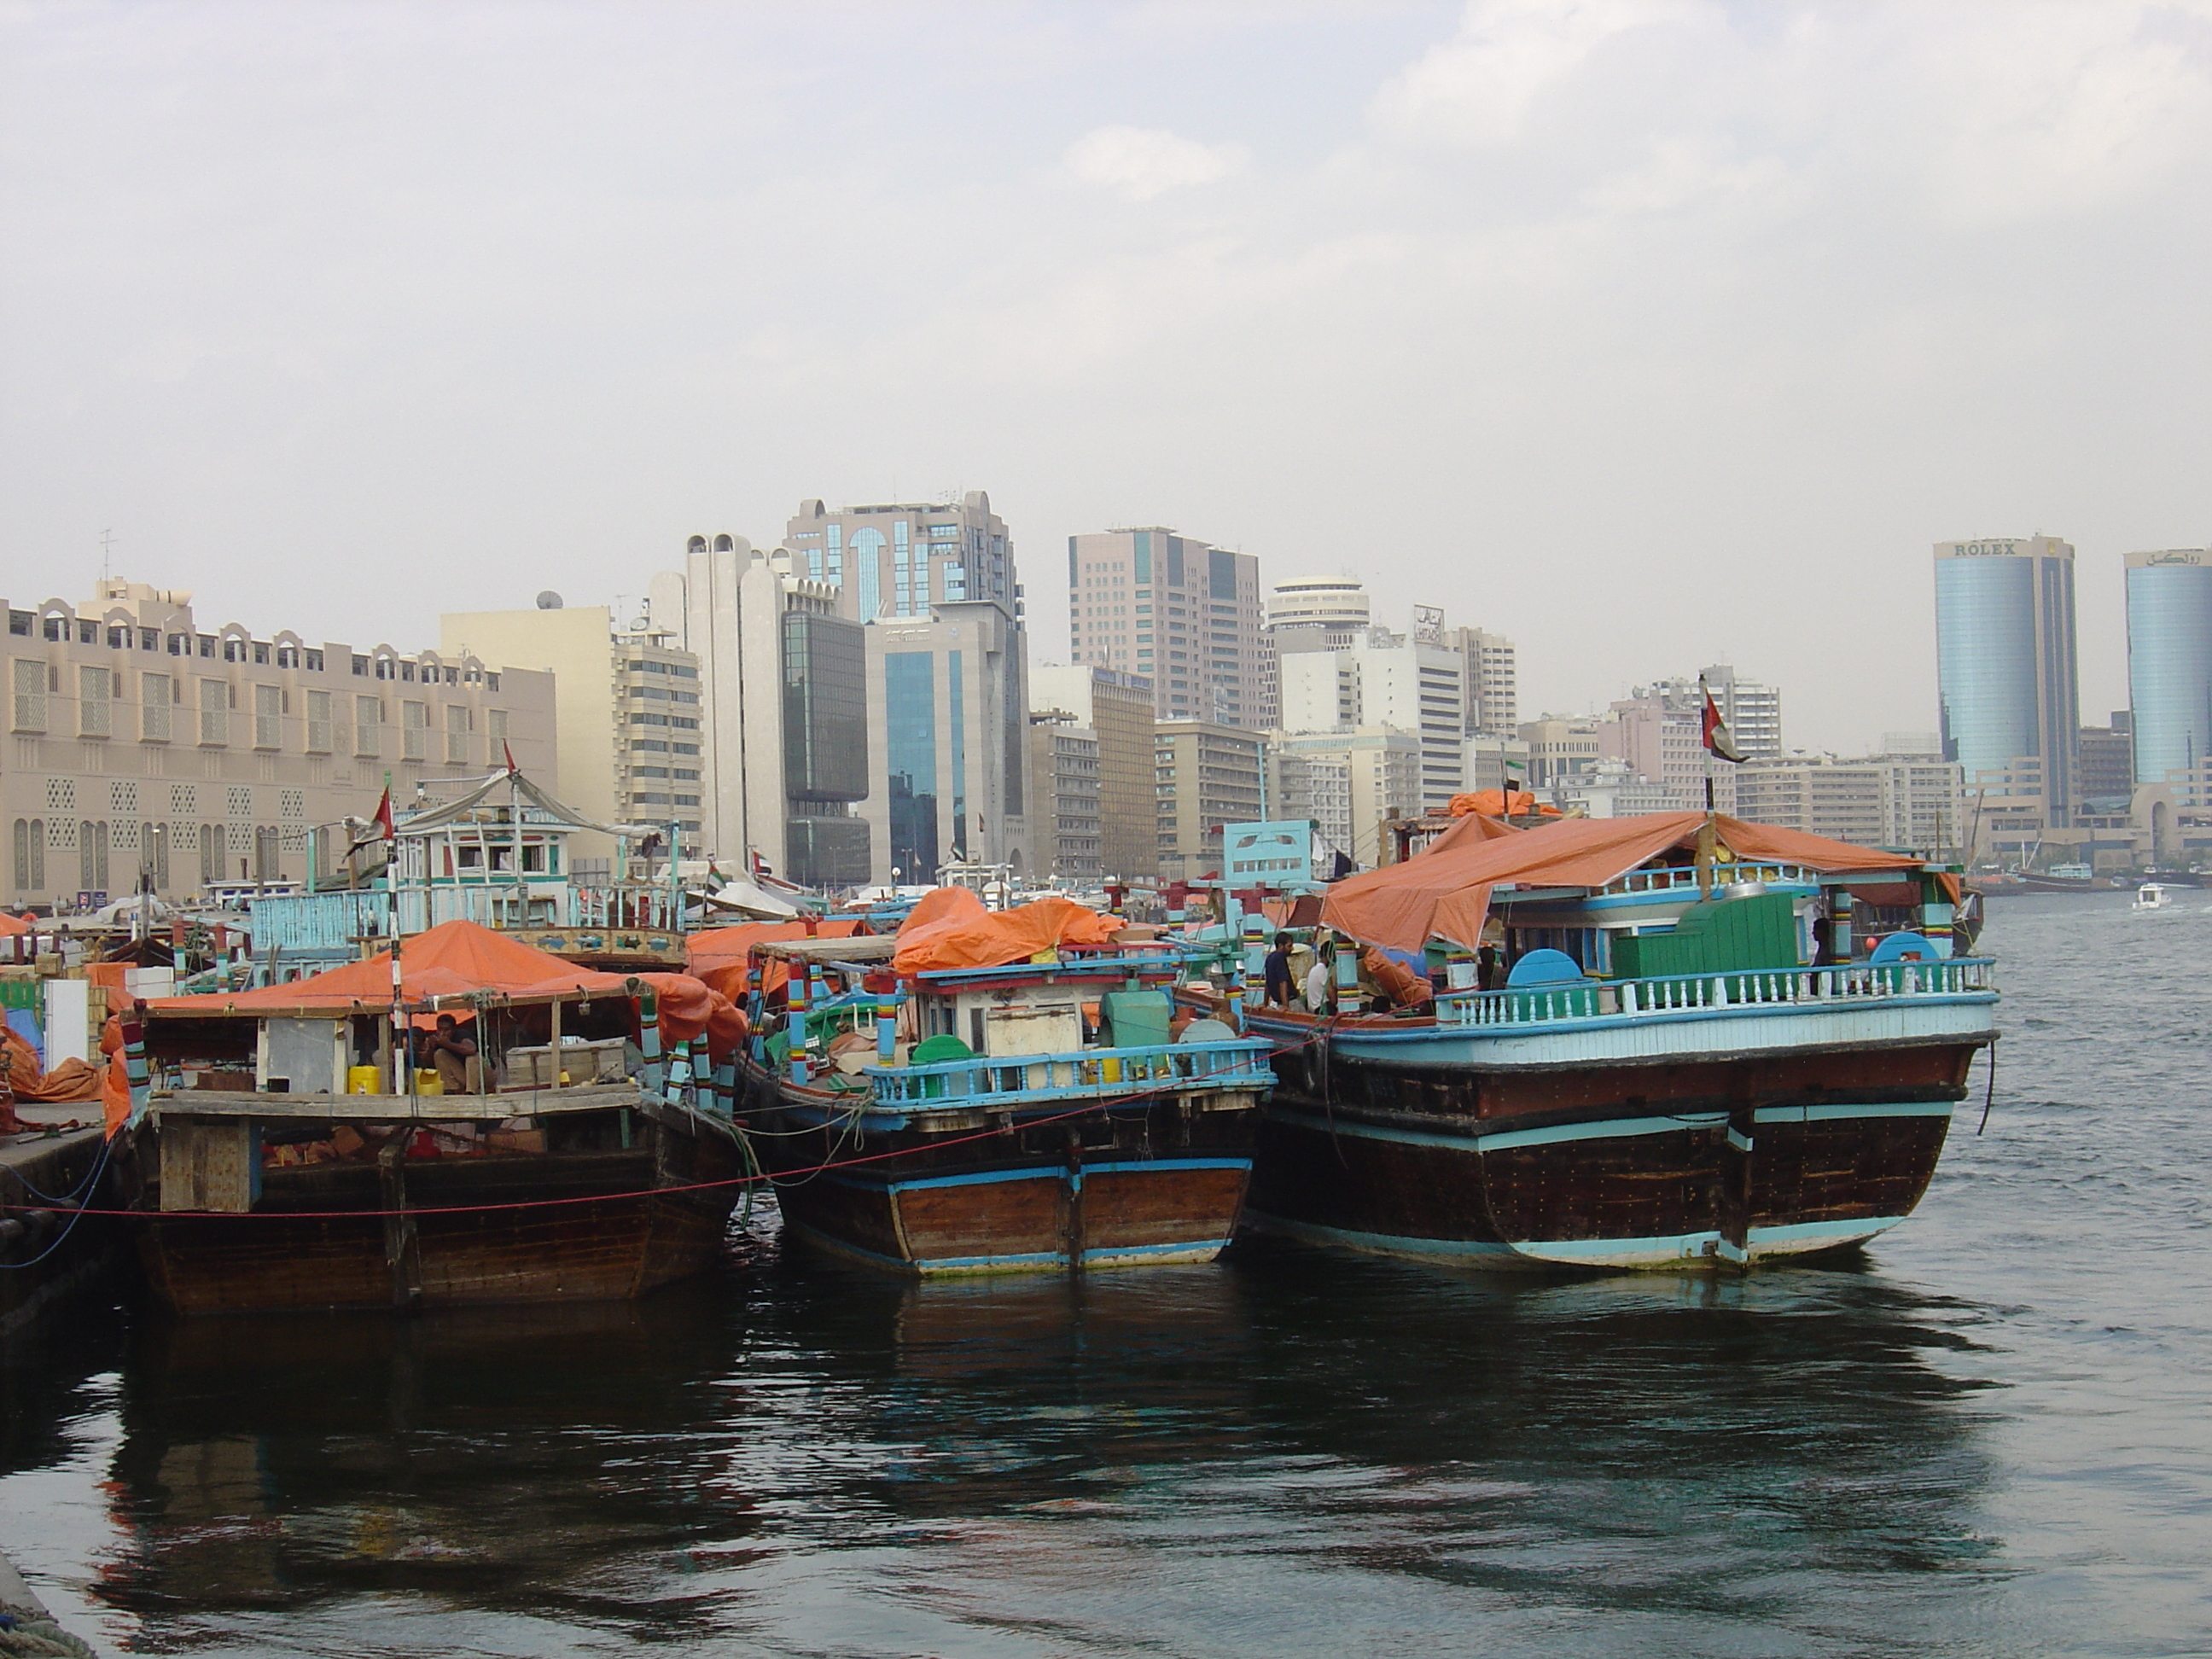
pixel 1649 334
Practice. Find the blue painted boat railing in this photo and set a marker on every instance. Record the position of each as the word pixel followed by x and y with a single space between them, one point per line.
pixel 1087 1074
pixel 1674 878
pixel 1764 988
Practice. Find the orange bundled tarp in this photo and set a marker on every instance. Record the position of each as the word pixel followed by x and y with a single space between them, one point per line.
pixel 12 926
pixel 950 929
pixel 719 956
pixel 1444 892
pixel 1499 803
pixel 70 1080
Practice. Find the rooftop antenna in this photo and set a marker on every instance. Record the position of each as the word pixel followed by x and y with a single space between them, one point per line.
pixel 106 558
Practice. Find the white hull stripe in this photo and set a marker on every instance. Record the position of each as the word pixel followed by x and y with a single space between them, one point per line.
pixel 1790 1239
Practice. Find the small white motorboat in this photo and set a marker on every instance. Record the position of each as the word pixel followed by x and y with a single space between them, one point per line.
pixel 2152 896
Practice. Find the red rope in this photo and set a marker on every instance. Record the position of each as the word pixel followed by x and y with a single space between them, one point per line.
pixel 602 1198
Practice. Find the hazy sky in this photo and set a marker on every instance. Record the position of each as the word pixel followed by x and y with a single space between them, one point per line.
pixel 1650 335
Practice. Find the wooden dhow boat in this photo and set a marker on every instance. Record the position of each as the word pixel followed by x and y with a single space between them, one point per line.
pixel 1038 1113
pixel 1689 1060
pixel 292 1147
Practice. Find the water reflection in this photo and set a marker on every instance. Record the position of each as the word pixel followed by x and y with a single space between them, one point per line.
pixel 798 1454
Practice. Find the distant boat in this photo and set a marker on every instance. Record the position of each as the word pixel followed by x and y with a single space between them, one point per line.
pixel 2152 896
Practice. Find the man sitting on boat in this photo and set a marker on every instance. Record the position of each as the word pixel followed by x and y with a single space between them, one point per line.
pixel 460 1069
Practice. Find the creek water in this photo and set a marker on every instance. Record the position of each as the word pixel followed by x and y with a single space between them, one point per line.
pixel 1989 1433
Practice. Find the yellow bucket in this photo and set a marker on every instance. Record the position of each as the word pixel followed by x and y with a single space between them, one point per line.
pixel 362 1079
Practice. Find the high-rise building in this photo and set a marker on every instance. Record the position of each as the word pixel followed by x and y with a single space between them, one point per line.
pixel 1493 697
pixel 1116 710
pixel 784 738
pixel 1206 775
pixel 1178 610
pixel 2170 661
pixel 2005 665
pixel 142 750
pixel 1320 613
pixel 947 671
pixel 628 713
pixel 899 558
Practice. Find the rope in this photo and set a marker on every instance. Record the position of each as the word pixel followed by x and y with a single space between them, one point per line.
pixel 1989 1099
pixel 757 1177
pixel 76 1214
pixel 30 1631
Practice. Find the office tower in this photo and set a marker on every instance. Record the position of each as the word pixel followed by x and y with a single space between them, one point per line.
pixel 947 671
pixel 1208 775
pixel 1116 709
pixel 1752 707
pixel 2005 667
pixel 785 735
pixel 2170 661
pixel 627 720
pixel 144 752
pixel 1561 747
pixel 1179 611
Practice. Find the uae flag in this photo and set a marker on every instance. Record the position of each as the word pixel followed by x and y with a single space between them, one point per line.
pixel 383 818
pixel 1719 739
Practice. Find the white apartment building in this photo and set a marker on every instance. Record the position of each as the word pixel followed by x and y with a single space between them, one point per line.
pixel 1381 771
pixel 142 750
pixel 1911 801
pixel 1419 689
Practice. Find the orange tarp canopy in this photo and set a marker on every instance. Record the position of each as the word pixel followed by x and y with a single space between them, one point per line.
pixel 1444 892
pixel 950 929
pixel 452 959
pixel 718 957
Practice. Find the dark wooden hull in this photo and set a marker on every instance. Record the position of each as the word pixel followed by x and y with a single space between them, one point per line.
pixel 1129 1182
pixel 1716 1158
pixel 315 1238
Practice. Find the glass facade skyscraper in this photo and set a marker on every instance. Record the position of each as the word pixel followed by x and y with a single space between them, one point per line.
pixel 2170 660
pixel 2005 665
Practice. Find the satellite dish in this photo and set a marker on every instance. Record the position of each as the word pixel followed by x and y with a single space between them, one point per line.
pixel 548 600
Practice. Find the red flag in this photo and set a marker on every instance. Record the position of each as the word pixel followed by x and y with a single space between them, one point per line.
pixel 383 818
pixel 509 748
pixel 1716 736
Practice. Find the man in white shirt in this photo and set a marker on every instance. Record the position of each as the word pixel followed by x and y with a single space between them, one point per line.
pixel 1320 983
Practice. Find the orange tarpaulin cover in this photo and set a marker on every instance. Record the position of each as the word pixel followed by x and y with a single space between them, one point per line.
pixel 1498 804
pixel 686 1006
pixel 950 929
pixel 70 1080
pixel 12 926
pixel 719 956
pixel 1444 892
pixel 452 959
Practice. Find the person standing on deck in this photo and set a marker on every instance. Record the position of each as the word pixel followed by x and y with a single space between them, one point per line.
pixel 1281 989
pixel 460 1072
pixel 1319 982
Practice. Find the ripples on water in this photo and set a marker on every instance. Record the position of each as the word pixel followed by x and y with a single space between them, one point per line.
pixel 1986 1435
